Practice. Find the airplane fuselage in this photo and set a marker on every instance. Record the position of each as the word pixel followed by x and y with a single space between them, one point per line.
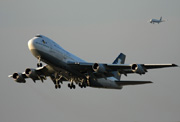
pixel 155 21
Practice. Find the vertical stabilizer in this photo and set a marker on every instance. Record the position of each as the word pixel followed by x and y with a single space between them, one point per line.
pixel 160 18
pixel 119 60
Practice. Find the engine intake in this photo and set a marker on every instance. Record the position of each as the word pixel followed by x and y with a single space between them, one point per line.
pixel 31 73
pixel 18 77
pixel 100 68
pixel 137 68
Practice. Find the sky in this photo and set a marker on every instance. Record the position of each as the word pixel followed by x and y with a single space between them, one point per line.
pixel 96 31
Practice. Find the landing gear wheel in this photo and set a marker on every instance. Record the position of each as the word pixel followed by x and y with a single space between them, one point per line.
pixel 39 64
pixel 80 85
pixel 84 85
pixel 57 86
pixel 69 85
pixel 73 86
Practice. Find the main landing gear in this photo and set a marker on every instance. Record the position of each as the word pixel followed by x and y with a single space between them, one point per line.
pixel 82 85
pixel 57 86
pixel 71 85
pixel 85 82
pixel 57 79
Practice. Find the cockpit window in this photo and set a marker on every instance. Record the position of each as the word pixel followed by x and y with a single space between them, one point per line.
pixel 38 36
pixel 44 42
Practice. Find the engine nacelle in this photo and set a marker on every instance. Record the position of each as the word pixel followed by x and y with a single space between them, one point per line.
pixel 137 68
pixel 31 73
pixel 18 77
pixel 100 68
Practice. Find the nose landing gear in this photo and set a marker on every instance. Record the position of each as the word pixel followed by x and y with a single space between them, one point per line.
pixel 39 64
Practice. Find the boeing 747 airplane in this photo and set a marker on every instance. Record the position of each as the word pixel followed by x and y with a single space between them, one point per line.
pixel 64 66
pixel 156 20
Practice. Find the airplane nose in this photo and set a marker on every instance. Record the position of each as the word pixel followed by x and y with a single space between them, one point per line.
pixel 31 43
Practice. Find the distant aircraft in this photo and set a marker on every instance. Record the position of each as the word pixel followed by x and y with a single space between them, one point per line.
pixel 156 20
pixel 64 66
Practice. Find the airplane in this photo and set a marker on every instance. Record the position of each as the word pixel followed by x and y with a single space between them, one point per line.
pixel 62 66
pixel 156 20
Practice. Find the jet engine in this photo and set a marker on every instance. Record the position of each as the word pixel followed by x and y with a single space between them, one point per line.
pixel 31 73
pixel 18 77
pixel 137 68
pixel 99 68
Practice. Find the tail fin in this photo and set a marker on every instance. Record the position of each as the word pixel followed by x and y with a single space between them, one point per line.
pixel 160 18
pixel 119 60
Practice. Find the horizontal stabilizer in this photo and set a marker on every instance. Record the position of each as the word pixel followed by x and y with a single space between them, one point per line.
pixel 124 83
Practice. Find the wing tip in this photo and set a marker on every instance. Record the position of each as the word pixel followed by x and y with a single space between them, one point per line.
pixel 145 82
pixel 175 65
pixel 149 82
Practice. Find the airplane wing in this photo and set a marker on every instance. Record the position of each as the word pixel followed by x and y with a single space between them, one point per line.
pixel 154 66
pixel 23 75
pixel 121 68
pixel 34 74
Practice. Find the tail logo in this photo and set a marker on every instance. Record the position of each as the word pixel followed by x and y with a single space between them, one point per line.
pixel 119 61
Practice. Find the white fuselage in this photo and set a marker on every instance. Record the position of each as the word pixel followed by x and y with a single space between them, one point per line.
pixel 155 21
pixel 51 53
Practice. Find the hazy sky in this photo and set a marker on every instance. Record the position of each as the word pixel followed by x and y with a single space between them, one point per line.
pixel 96 31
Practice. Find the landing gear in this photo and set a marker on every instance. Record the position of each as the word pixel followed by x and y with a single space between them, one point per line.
pixel 71 85
pixel 39 64
pixel 82 85
pixel 57 86
pixel 88 77
pixel 56 80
